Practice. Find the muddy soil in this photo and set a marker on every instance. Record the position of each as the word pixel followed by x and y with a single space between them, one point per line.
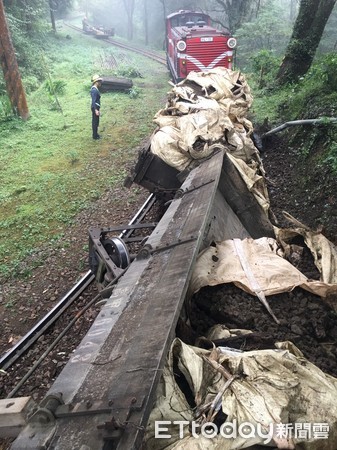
pixel 305 319
pixel 299 185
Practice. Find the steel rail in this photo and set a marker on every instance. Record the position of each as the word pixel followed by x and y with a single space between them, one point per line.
pixel 147 53
pixel 28 340
pixel 9 357
pixel 51 347
pixel 140 214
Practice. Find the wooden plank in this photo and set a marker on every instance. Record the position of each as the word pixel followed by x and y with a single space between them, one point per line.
pixel 121 363
pixel 143 334
pixel 243 202
pixel 13 415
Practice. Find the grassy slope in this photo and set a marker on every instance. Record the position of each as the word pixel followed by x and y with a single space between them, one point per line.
pixel 50 165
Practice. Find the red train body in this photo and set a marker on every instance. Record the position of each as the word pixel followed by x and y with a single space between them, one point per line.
pixel 193 44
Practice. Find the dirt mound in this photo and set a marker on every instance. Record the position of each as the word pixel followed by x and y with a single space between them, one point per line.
pixel 300 185
pixel 305 319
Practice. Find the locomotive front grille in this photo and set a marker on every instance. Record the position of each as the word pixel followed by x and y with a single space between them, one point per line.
pixel 203 55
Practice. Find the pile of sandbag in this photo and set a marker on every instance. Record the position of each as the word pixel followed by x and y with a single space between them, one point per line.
pixel 226 399
pixel 205 111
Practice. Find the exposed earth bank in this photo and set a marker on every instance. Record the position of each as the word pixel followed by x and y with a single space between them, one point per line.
pixel 300 185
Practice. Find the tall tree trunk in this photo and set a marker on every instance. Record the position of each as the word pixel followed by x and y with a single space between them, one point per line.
pixel 164 9
pixel 146 23
pixel 129 7
pixel 52 15
pixel 165 43
pixel 10 69
pixel 308 29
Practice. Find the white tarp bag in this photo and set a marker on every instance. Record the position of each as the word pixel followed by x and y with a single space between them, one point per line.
pixel 268 397
pixel 213 112
pixel 254 265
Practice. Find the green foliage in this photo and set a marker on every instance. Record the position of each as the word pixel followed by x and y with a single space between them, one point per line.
pixel 128 71
pixel 134 92
pixel 31 83
pixel 270 31
pixel 73 156
pixel 6 112
pixel 28 27
pixel 29 15
pixel 331 157
pixel 313 96
pixel 55 87
pixel 324 71
pixel 299 49
pixel 265 66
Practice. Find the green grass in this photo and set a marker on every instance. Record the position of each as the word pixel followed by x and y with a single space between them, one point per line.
pixel 51 168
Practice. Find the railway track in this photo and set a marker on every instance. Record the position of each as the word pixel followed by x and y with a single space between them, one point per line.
pixel 9 358
pixel 145 52
pixel 24 353
pixel 69 309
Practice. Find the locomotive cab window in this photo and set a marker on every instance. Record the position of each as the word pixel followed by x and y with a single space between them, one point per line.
pixel 175 22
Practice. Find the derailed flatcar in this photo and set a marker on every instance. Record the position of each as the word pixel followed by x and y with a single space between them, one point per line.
pixel 117 389
pixel 193 44
pixel 99 32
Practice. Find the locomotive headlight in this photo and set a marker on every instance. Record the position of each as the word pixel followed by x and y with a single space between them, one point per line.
pixel 231 42
pixel 181 46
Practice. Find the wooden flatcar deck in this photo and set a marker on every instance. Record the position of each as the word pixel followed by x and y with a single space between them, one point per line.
pixel 109 385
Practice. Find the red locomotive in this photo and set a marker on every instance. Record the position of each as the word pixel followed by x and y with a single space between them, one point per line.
pixel 193 44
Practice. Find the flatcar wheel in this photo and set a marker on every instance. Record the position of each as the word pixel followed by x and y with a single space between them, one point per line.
pixel 118 252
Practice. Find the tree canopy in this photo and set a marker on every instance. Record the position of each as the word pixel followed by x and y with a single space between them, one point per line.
pixel 286 28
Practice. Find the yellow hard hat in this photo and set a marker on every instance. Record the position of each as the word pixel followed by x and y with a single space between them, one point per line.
pixel 95 78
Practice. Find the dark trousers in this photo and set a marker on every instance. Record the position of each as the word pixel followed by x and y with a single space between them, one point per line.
pixel 95 123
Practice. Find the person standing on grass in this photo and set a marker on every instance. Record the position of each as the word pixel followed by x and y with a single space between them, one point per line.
pixel 95 104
